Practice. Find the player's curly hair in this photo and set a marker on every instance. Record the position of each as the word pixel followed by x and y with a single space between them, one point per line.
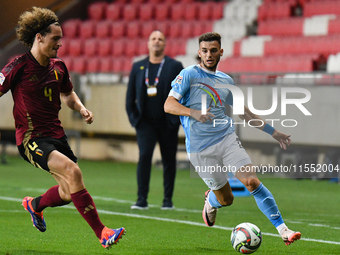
pixel 36 21
pixel 210 37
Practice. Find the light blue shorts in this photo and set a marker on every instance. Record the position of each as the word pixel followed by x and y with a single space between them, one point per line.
pixel 219 162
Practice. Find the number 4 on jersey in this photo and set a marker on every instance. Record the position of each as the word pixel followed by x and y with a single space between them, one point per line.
pixel 48 93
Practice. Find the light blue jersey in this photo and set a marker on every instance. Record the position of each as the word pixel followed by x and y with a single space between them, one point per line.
pixel 188 88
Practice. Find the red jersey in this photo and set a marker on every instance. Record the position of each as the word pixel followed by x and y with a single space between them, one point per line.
pixel 36 94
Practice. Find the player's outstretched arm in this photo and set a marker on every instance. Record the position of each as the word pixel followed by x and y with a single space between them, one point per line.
pixel 72 101
pixel 283 139
pixel 172 106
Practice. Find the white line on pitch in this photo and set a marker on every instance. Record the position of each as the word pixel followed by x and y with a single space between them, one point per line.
pixel 123 201
pixel 192 223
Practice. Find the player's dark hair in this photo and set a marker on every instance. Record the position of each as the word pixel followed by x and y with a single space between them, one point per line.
pixel 36 21
pixel 210 37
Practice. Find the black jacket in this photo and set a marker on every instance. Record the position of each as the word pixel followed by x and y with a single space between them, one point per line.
pixel 136 91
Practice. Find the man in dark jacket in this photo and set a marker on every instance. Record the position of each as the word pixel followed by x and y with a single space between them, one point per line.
pixel 149 85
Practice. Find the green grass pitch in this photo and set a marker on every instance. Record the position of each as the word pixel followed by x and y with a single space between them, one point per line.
pixel 311 207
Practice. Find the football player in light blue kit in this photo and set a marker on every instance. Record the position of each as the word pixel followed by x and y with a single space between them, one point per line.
pixel 212 143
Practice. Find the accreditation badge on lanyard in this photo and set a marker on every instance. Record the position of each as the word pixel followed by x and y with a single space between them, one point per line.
pixel 152 89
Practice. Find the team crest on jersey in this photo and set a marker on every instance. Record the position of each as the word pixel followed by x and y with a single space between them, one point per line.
pixel 210 182
pixel 179 79
pixel 2 78
pixel 39 152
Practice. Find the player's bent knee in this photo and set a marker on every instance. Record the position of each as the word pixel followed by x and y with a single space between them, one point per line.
pixel 73 173
pixel 252 183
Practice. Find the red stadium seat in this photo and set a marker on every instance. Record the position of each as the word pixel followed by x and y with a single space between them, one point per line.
pixel 289 26
pixel 177 11
pixel 86 29
pixel 321 7
pixel 175 29
pixel 237 48
pixel 262 12
pixel 175 46
pixel 105 46
pixel 191 11
pixel 105 65
pixel 201 27
pixel 188 28
pixel 272 47
pixel 103 29
pixel 180 45
pixel 130 12
pixel 71 28
pixel 117 65
pixel 118 29
pixel 146 11
pixel 113 11
pixel 76 47
pixel 162 11
pixel 90 47
pixel 127 65
pixel 118 47
pixel 142 48
pixel 79 64
pixel 163 26
pixel 169 48
pixel 334 26
pixel 133 29
pixel 63 50
pixel 96 10
pixel 68 60
pixel 131 49
pixel 284 63
pixel 279 10
pixel 218 10
pixel 205 11
pixel 147 28
pixel 93 64
pixel 121 65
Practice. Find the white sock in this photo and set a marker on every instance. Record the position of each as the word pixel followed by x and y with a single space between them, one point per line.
pixel 280 227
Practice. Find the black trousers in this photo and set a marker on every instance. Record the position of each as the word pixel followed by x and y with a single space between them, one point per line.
pixel 148 133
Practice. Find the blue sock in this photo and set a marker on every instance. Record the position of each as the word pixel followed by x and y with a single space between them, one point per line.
pixel 213 200
pixel 266 202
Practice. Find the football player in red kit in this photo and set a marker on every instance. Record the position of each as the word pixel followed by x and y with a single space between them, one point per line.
pixel 39 81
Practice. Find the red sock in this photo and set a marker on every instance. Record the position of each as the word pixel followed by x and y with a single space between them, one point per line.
pixel 50 199
pixel 82 200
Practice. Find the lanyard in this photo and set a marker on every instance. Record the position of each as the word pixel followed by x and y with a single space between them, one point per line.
pixel 158 73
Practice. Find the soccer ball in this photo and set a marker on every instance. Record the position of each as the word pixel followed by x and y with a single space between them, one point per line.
pixel 246 238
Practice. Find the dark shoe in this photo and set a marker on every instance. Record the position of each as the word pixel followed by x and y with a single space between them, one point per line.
pixel 140 205
pixel 167 205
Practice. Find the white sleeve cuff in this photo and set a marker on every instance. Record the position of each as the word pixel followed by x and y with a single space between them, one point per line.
pixel 175 95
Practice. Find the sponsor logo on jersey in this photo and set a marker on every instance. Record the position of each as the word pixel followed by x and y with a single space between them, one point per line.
pixel 2 78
